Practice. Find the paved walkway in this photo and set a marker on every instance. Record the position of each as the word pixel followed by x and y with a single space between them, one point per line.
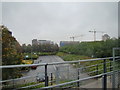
pixel 97 83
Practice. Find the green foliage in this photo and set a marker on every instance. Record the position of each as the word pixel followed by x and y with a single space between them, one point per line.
pixel 46 53
pixel 92 49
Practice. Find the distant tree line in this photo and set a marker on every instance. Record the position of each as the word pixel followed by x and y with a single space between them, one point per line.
pixel 93 49
pixel 40 48
pixel 11 53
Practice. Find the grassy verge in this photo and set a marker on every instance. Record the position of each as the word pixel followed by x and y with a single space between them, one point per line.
pixel 99 64
pixel 41 84
pixel 71 57
pixel 46 53
pixel 24 85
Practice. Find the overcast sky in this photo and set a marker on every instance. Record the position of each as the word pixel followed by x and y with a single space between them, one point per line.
pixel 58 21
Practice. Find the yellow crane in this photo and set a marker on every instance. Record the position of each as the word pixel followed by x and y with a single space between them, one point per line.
pixel 73 37
pixel 94 32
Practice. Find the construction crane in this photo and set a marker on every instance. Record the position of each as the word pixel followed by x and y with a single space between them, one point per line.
pixel 73 37
pixel 95 33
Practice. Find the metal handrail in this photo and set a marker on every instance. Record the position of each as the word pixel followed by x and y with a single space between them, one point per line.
pixel 75 81
pixel 42 64
pixel 18 78
pixel 28 65
pixel 67 83
pixel 55 63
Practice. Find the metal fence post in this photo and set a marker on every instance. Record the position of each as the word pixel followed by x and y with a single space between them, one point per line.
pixel 57 75
pixel 114 79
pixel 51 78
pixel 68 72
pixel 13 82
pixel 97 68
pixel 46 76
pixel 110 65
pixel 78 83
pixel 113 76
pixel 110 70
pixel 105 76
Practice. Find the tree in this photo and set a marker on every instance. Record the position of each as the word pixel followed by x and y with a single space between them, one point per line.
pixel 11 53
pixel 24 47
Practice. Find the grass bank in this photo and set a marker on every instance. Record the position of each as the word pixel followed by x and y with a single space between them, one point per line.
pixel 71 57
pixel 98 64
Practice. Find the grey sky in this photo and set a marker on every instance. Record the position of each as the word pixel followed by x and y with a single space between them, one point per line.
pixel 57 21
pixel 0 12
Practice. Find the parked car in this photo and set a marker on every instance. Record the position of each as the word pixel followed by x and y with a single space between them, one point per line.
pixel 40 78
pixel 34 67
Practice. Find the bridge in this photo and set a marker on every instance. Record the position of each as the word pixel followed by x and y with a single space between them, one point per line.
pixel 69 74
